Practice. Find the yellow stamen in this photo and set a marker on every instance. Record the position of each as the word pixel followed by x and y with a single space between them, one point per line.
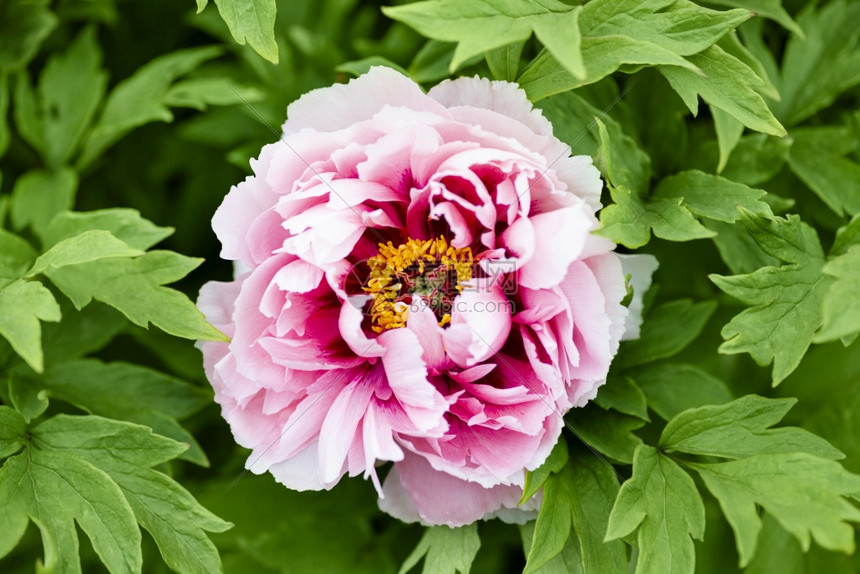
pixel 385 285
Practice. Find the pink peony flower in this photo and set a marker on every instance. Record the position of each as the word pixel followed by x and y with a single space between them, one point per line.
pixel 421 286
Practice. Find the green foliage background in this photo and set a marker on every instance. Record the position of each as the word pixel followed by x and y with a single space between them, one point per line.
pixel 726 439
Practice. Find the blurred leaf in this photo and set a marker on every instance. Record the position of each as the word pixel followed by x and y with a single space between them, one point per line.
pixel 662 502
pixel 765 8
pixel 39 195
pixel 81 332
pixel 712 196
pixel 819 67
pixel 71 87
pixel 785 301
pixel 778 551
pixel 741 428
pixel 22 305
pixel 841 305
pixel 504 62
pixel 818 158
pixel 24 24
pixel 359 67
pixel 672 388
pixel 728 84
pixel 5 135
pixel 756 159
pixel 729 131
pixel 445 550
pixel 140 99
pixel 16 256
pixel 479 26
pixel 27 398
pixel 666 331
pixel 199 93
pixel 176 521
pixel 803 492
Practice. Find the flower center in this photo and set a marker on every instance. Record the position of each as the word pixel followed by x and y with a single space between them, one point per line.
pixel 426 270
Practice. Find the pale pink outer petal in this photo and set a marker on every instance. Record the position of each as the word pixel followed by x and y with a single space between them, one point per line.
pixel 640 267
pixel 342 105
pixel 439 498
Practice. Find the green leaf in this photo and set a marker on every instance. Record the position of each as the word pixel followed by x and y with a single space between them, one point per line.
pixel 16 256
pixel 125 451
pixel 251 21
pixel 617 156
pixel 672 388
pixel 767 9
pixel 818 158
pixel 785 302
pixel 56 490
pixel 536 478
pixel 139 99
pixel 135 287
pixel 618 32
pixel 729 131
pixel 815 70
pixel 568 561
pixel 846 236
pixel 13 430
pixel 779 551
pixel 39 195
pixel 666 331
pixel 630 220
pixel 27 397
pixel 728 84
pixel 756 159
pixel 445 550
pixel 129 392
pixel 608 432
pixel 602 56
pixel 199 93
pixel 71 87
pixel 803 492
pixel 359 67
pixel 5 134
pixel 576 505
pixel 479 26
pixel 24 24
pixel 712 196
pixel 741 428
pixel 841 305
pixel 679 26
pixel 81 332
pixel 623 395
pixel 662 502
pixel 125 224
pixel 22 305
pixel 554 524
pixel 594 488
pixel 84 248
pixel 504 62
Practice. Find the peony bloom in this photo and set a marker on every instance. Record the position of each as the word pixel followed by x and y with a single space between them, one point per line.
pixel 420 286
